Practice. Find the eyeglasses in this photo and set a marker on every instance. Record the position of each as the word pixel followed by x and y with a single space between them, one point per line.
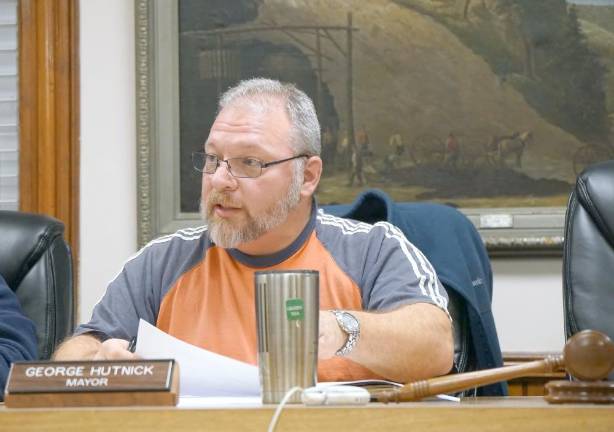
pixel 242 167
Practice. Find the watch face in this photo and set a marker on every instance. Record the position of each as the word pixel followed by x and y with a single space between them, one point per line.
pixel 349 322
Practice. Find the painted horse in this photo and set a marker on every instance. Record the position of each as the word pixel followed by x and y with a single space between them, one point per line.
pixel 502 148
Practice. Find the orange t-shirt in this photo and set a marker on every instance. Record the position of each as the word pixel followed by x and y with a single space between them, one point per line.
pixel 204 294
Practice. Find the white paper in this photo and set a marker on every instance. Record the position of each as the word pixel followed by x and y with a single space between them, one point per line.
pixel 360 383
pixel 448 397
pixel 201 372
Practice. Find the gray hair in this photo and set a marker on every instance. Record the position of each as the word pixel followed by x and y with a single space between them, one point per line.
pixel 260 92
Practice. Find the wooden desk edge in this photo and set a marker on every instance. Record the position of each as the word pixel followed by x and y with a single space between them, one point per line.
pixel 481 414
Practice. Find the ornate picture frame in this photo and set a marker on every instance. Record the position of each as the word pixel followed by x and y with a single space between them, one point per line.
pixel 471 156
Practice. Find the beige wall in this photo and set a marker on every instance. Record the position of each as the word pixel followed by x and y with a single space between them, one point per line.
pixel 527 299
pixel 108 180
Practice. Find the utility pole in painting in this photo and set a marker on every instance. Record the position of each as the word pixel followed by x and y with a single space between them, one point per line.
pixel 220 62
pixel 319 69
pixel 350 95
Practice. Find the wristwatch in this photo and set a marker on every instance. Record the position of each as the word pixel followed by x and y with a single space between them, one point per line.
pixel 351 326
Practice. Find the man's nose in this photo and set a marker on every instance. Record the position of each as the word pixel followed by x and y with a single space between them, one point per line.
pixel 222 179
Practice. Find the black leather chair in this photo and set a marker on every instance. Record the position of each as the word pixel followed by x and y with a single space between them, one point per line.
pixel 36 263
pixel 588 260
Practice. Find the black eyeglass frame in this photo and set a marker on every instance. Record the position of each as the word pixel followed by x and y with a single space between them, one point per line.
pixel 263 165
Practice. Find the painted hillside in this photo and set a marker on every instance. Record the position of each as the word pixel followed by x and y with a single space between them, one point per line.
pixel 443 94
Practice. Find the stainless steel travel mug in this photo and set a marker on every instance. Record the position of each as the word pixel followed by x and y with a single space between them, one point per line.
pixel 287 317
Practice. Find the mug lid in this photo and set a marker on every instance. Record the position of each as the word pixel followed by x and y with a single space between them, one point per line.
pixel 288 271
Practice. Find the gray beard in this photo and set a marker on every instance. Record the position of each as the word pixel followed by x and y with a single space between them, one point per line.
pixel 227 235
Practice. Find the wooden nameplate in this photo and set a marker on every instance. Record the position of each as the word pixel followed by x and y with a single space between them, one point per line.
pixel 92 383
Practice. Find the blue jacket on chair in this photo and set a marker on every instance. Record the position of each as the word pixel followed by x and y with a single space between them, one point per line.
pixel 17 333
pixel 454 247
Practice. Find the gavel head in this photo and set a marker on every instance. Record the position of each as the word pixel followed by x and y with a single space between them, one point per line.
pixel 589 355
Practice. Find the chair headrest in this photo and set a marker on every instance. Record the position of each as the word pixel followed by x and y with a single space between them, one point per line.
pixel 371 206
pixel 595 191
pixel 24 238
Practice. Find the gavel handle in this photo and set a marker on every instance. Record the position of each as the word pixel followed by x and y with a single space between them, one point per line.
pixel 455 383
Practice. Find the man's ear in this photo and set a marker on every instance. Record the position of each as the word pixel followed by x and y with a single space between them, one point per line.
pixel 312 173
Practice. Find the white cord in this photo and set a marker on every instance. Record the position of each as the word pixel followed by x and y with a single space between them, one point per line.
pixel 281 405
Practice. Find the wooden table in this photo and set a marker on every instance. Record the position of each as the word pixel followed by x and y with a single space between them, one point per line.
pixel 482 414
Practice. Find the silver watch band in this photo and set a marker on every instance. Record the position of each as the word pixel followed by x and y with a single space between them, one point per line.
pixel 352 336
pixel 348 346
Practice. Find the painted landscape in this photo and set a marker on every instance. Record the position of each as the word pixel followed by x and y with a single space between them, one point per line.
pixel 483 103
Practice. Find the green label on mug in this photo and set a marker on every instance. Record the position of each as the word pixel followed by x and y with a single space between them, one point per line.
pixel 295 310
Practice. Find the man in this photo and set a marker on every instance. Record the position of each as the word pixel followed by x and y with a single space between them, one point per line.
pixel 17 333
pixel 261 168
pixel 452 151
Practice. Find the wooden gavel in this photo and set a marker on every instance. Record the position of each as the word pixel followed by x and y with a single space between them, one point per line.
pixel 587 356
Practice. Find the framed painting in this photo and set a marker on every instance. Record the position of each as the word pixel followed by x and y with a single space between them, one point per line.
pixel 491 106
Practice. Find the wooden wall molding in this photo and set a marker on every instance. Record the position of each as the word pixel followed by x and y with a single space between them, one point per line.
pixel 49 112
pixel 49 115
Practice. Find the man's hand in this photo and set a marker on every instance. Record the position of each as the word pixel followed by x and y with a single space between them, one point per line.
pixel 332 337
pixel 87 347
pixel 114 349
